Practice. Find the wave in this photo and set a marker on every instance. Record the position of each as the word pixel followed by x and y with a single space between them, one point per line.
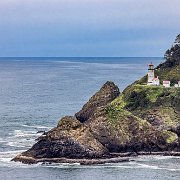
pixel 145 158
pixel 165 157
pixel 10 152
pixel 118 165
pixel 22 133
pixel 2 140
pixel 21 138
pixel 37 126
pixel 145 166
pixel 8 155
pixel 5 160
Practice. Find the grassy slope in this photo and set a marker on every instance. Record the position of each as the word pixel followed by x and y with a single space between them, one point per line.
pixel 142 100
pixel 168 70
pixel 172 74
pixel 139 101
pixel 154 106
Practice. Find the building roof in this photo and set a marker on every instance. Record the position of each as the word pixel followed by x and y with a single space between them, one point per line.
pixel 166 82
pixel 155 78
pixel 151 64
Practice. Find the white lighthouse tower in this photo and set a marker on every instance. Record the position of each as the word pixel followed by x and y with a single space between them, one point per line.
pixel 150 74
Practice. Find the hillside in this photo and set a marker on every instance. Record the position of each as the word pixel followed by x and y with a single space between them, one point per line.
pixel 170 69
pixel 156 104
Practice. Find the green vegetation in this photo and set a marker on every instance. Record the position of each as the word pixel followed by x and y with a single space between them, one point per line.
pixel 169 73
pixel 116 113
pixel 172 74
pixel 146 97
pixel 170 136
pixel 146 104
pixel 68 122
pixel 171 118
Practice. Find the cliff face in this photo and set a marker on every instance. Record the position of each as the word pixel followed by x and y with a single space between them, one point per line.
pixel 157 105
pixel 74 137
pixel 106 94
pixel 142 118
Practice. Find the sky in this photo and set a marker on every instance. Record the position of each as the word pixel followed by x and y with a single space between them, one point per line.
pixel 87 28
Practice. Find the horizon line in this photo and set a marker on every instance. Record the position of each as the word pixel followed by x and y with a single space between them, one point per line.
pixel 81 56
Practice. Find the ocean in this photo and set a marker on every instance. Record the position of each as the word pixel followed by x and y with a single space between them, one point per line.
pixel 36 92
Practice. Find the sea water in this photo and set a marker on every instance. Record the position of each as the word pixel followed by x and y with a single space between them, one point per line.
pixel 36 92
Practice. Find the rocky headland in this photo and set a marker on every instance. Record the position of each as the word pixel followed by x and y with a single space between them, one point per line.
pixel 113 126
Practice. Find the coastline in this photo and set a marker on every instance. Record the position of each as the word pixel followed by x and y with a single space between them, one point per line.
pixel 31 160
pixel 114 158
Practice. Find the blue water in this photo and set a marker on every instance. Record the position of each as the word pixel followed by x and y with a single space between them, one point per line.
pixel 36 92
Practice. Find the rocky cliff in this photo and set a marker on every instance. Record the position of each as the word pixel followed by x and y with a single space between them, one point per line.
pixel 141 118
pixel 106 94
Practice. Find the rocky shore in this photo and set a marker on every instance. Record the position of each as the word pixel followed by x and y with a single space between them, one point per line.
pixel 31 160
pixel 114 158
pixel 112 126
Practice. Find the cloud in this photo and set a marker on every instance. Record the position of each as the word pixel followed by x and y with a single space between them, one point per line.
pixel 128 13
pixel 67 23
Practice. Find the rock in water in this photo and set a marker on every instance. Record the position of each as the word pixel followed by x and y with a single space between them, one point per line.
pixel 72 138
pixel 106 94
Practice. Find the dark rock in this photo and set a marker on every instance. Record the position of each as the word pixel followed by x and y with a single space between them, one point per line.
pixel 42 132
pixel 30 160
pixel 176 130
pixel 105 95
pixel 69 122
pixel 65 147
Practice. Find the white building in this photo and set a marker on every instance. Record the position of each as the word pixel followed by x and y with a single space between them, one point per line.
pixel 151 79
pixel 166 83
pixel 155 81
pixel 176 85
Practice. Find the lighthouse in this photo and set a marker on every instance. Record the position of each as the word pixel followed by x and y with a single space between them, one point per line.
pixel 152 80
pixel 150 74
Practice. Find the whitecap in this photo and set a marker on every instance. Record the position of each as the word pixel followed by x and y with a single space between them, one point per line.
pixel 147 166
pixel 2 140
pixel 20 133
pixel 5 153
pixel 37 126
pixel 6 156
pixel 21 138
pixel 146 158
